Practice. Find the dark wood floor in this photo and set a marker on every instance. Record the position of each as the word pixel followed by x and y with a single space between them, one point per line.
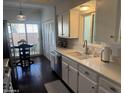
pixel 33 80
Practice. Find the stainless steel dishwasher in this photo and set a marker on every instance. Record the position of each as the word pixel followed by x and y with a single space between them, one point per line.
pixel 56 63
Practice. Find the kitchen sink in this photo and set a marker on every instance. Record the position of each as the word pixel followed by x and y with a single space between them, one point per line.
pixel 79 55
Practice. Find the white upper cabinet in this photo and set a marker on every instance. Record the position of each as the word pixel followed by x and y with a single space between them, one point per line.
pixel 68 24
pixel 65 24
pixel 59 18
pixel 107 20
pixel 74 23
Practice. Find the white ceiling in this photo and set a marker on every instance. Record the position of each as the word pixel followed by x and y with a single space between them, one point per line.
pixel 30 3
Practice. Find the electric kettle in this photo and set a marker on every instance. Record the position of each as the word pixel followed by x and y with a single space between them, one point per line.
pixel 106 54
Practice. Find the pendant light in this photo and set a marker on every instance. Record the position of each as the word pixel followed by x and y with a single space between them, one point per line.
pixel 20 16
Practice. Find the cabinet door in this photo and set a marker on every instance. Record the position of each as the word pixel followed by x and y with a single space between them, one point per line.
pixel 107 20
pixel 73 73
pixel 86 85
pixel 59 18
pixel 66 24
pixel 74 23
pixel 65 72
pixel 102 90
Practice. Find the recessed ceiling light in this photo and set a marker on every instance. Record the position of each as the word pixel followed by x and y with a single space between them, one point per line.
pixel 84 8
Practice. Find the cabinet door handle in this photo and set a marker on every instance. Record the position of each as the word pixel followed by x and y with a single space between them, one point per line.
pixel 113 89
pixel 87 73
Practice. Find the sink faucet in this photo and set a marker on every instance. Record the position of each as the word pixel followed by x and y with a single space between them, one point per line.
pixel 86 48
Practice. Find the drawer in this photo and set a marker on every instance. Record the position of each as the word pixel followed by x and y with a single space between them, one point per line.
pixel 108 85
pixel 89 73
pixel 70 62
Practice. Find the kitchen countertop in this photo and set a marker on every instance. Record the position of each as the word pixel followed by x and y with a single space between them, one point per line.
pixel 110 70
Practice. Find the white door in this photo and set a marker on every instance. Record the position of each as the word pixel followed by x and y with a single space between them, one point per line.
pixel 86 85
pixel 102 90
pixel 65 72
pixel 48 34
pixel 52 37
pixel 73 78
pixel 47 41
pixel 43 37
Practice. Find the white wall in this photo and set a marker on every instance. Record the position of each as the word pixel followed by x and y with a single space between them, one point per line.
pixel 47 13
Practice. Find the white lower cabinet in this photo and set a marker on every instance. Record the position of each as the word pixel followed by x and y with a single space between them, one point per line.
pixel 65 72
pixel 73 76
pixel 84 80
pixel 86 85
pixel 107 86
pixel 103 90
pixel 70 76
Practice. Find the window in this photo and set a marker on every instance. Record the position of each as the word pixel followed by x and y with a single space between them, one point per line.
pixel 33 37
pixel 18 32
pixel 88 29
pixel 28 32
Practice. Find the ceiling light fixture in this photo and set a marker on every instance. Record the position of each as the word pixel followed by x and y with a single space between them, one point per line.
pixel 84 8
pixel 20 16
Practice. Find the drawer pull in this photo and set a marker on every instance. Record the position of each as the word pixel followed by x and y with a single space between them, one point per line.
pixel 113 89
pixel 86 73
pixel 93 87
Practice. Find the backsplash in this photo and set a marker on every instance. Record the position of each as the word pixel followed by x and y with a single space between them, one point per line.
pixel 75 44
pixel 95 49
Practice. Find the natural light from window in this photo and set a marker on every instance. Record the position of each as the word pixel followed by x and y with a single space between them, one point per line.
pixel 28 32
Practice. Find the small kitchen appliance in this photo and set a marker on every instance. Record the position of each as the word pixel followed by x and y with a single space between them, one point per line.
pixel 106 54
